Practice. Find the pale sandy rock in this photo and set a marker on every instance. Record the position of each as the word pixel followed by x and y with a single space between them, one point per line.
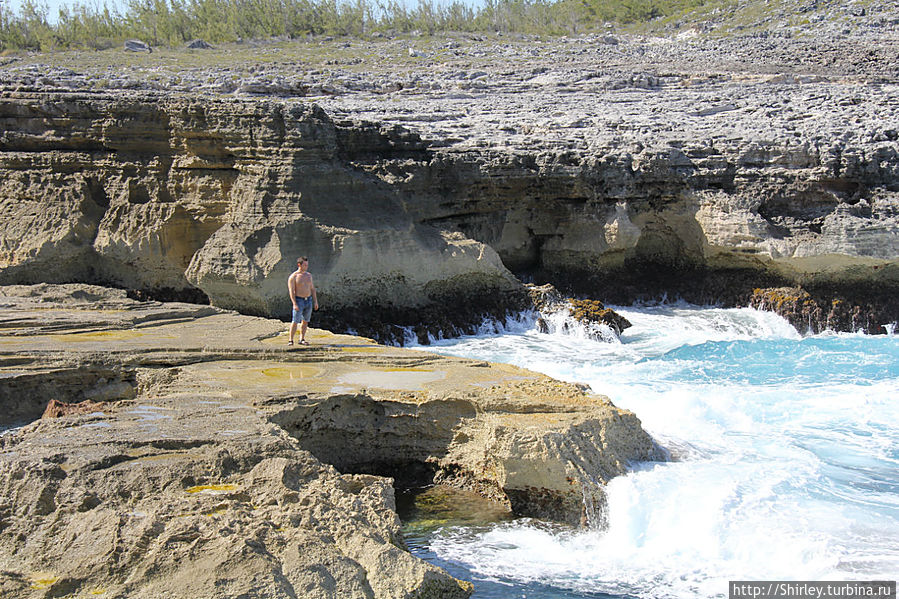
pixel 223 213
pixel 220 463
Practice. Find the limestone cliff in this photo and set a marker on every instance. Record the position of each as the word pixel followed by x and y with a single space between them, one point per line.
pixel 612 167
pixel 217 199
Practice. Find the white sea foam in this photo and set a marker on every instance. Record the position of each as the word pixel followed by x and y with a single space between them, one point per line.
pixel 788 446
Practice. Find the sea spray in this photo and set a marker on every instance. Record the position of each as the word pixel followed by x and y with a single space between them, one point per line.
pixel 787 448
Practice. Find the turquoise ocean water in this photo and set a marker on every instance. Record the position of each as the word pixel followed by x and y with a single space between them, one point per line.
pixel 787 460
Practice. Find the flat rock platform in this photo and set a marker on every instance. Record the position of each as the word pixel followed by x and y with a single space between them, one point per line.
pixel 191 453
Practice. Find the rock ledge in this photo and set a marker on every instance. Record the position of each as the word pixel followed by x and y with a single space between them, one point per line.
pixel 216 462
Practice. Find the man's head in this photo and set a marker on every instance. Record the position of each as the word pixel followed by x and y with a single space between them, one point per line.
pixel 302 262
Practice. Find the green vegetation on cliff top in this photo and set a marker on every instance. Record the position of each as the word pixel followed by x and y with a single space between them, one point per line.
pixel 174 22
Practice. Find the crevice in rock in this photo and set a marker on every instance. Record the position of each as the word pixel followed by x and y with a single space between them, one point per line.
pixel 173 444
pixel 368 142
pixel 152 449
pixel 360 435
pixel 25 395
pixel 111 460
pixel 97 193
pixel 190 295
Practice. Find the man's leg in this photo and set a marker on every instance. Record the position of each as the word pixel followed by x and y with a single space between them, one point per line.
pixel 293 330
pixel 306 314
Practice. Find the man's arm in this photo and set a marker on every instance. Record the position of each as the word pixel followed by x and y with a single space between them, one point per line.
pixel 314 296
pixel 291 289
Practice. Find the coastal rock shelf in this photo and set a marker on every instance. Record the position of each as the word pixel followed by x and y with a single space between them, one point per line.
pixel 215 461
pixel 424 188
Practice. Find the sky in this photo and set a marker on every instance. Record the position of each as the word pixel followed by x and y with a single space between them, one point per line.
pixel 53 5
pixel 119 5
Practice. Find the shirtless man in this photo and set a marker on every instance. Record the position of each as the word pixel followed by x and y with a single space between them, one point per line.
pixel 303 298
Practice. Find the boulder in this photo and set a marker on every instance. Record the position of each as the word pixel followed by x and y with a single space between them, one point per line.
pixel 587 315
pixel 137 46
pixel 57 409
pixel 198 44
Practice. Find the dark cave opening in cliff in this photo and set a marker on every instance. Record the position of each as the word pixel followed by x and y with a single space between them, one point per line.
pixel 358 434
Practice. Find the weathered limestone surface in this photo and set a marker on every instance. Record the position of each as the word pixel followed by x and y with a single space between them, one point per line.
pixel 222 464
pixel 612 166
pixel 212 198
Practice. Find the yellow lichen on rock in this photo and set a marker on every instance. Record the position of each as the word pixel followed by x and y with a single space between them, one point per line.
pixel 42 580
pixel 212 489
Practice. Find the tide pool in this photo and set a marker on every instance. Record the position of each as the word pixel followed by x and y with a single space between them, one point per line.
pixel 786 460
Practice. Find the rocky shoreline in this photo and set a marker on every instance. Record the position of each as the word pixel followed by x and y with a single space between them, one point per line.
pixel 211 460
pixel 428 180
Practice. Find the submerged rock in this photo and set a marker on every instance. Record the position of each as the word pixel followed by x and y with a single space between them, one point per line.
pixel 593 312
pixel 588 315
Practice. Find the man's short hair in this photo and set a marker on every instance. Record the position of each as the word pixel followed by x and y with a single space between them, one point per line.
pixel 302 259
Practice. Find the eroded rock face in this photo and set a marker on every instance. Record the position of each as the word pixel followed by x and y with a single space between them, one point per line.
pixel 815 315
pixel 217 199
pixel 696 168
pixel 218 462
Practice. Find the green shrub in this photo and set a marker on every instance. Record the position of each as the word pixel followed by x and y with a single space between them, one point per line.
pixel 173 22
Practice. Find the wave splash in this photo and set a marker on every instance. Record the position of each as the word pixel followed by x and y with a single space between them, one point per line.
pixel 788 457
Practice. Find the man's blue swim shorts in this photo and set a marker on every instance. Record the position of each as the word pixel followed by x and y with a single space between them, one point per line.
pixel 304 309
